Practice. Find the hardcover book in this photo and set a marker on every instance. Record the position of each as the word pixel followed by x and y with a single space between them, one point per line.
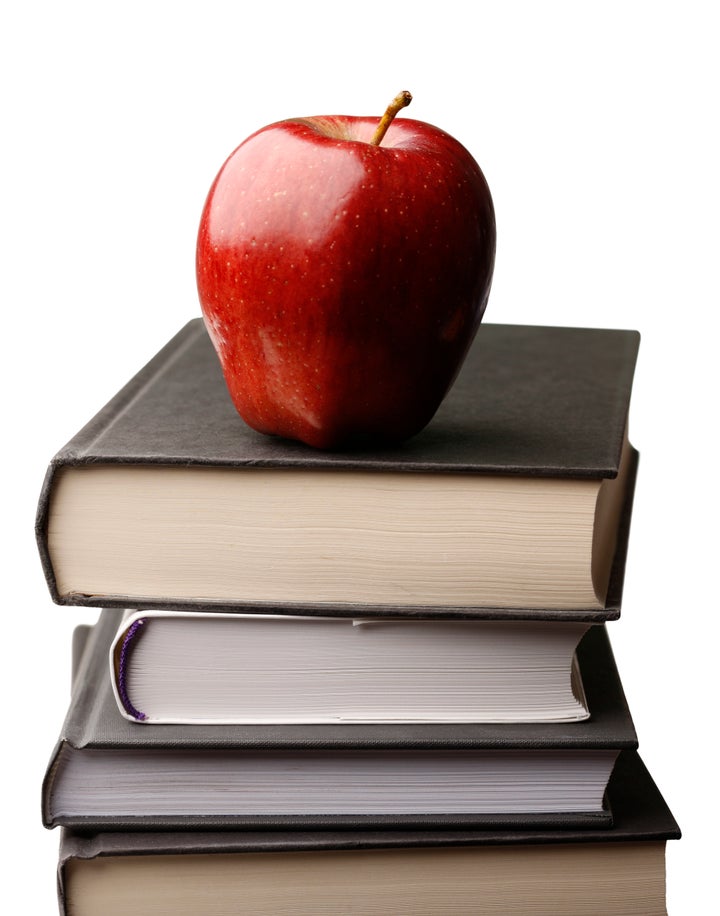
pixel 107 772
pixel 418 873
pixel 515 498
pixel 175 666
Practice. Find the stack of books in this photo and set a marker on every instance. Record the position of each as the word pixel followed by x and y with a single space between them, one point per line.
pixel 368 682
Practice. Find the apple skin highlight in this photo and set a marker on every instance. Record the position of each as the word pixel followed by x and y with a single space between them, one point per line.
pixel 343 282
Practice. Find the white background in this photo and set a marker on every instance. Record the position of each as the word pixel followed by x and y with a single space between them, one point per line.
pixel 596 126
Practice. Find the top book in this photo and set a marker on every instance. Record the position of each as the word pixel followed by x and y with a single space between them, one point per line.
pixel 514 501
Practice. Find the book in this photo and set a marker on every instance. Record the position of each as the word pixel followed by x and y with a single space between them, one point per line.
pixel 107 772
pixel 203 667
pixel 516 497
pixel 437 873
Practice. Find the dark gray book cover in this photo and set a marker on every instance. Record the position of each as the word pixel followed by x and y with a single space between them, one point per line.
pixel 94 722
pixel 529 401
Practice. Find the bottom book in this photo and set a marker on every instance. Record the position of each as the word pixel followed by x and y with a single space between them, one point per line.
pixel 569 872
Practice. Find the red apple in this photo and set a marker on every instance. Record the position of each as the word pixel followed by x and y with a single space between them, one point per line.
pixel 343 268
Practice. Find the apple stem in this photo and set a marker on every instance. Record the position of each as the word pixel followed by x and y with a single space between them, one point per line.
pixel 401 100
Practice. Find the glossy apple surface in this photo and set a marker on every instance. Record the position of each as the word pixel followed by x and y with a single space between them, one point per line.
pixel 342 282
